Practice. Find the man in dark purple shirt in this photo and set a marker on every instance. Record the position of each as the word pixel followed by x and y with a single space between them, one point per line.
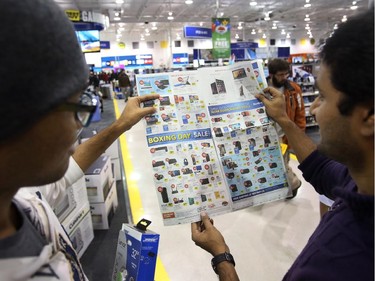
pixel 342 246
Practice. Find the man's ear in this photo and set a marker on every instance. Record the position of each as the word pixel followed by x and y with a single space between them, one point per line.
pixel 368 123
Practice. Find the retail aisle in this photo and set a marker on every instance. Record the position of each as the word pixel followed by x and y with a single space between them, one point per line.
pixel 264 240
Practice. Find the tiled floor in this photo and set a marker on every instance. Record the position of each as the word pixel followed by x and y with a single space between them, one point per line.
pixel 264 240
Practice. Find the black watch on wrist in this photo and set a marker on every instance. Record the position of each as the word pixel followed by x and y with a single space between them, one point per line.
pixel 220 258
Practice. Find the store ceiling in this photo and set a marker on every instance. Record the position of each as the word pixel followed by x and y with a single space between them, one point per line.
pixel 137 15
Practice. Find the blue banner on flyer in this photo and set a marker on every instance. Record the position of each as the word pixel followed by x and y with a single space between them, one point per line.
pixel 181 136
pixel 234 107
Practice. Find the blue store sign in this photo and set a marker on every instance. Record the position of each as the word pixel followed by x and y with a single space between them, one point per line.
pixel 197 32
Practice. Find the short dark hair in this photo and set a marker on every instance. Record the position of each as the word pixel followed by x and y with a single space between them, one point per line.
pixel 276 65
pixel 349 54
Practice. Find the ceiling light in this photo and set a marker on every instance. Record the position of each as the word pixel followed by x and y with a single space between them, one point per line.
pixel 344 19
pixel 288 35
pixel 170 17
pixel 259 30
pixel 222 14
pixel 307 5
pixel 253 3
pixel 154 28
pixel 253 32
pixel 237 36
pixel 274 26
pixel 201 23
pixel 354 2
pixel 117 14
pixel 311 36
pixel 267 17
pixel 335 26
pixel 264 36
pixel 116 18
pixel 283 31
pixel 354 7
pixel 119 1
pixel 188 2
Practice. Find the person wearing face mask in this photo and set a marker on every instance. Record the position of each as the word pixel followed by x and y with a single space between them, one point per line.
pixel 295 109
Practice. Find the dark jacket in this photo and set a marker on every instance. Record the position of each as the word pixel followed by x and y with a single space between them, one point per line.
pixel 342 246
pixel 123 80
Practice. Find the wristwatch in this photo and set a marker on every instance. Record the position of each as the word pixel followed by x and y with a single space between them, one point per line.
pixel 220 258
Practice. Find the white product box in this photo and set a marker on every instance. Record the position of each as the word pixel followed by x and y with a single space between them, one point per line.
pixel 79 227
pixel 111 151
pixel 116 168
pixel 136 254
pixel 75 195
pixel 102 213
pixel 99 179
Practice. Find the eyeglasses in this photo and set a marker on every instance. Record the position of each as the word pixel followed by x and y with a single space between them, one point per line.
pixel 84 110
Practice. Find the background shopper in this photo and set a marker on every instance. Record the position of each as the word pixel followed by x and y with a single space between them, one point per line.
pixel 124 84
pixel 279 71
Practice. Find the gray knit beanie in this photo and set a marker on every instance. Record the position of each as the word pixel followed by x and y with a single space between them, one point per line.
pixel 41 63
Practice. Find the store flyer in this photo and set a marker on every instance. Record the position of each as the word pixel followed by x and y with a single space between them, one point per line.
pixel 211 143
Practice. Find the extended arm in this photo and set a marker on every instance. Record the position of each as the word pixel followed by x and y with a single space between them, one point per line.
pixel 206 236
pixel 302 145
pixel 87 152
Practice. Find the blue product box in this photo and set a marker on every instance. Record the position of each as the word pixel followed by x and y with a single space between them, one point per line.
pixel 137 250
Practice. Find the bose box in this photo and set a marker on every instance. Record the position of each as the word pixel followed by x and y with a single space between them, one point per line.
pixel 137 250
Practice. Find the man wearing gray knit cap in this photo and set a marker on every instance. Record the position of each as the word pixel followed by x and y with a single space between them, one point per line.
pixel 41 111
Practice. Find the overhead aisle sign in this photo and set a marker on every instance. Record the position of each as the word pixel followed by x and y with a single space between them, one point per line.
pixel 197 32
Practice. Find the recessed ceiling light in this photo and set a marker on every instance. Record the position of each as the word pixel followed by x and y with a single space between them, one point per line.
pixel 188 2
pixel 116 18
pixel 264 36
pixel 119 1
pixel 354 7
pixel 307 5
pixel 253 3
